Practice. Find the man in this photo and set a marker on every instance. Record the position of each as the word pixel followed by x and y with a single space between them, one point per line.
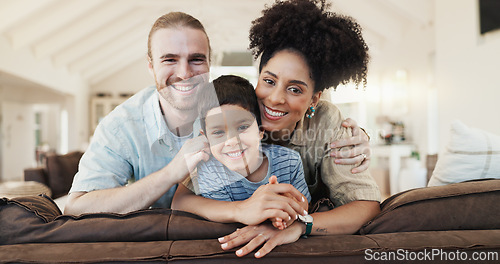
pixel 144 141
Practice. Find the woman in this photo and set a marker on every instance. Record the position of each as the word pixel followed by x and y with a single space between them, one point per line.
pixel 304 50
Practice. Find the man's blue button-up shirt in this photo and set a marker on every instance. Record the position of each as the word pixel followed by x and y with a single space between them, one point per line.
pixel 130 143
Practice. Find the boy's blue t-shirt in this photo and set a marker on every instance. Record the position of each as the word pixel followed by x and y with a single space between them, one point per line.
pixel 216 181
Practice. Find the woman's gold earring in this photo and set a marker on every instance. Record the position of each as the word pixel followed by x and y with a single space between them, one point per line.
pixel 312 112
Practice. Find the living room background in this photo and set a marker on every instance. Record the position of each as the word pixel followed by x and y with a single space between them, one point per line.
pixel 430 65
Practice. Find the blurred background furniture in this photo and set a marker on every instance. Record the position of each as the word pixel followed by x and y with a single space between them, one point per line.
pixel 13 189
pixel 395 153
pixel 56 173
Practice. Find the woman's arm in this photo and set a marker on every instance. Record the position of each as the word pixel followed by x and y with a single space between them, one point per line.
pixel 266 202
pixel 358 195
pixel 346 219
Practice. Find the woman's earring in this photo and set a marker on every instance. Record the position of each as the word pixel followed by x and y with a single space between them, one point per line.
pixel 312 112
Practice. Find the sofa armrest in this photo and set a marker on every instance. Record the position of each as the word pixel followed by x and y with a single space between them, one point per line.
pixel 37 174
pixel 469 205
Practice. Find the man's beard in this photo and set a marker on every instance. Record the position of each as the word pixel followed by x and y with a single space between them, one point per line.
pixel 177 103
pixel 175 98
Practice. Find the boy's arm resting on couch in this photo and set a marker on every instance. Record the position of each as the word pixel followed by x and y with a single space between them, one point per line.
pixel 265 203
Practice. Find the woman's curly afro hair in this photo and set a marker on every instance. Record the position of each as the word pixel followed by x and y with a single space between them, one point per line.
pixel 331 44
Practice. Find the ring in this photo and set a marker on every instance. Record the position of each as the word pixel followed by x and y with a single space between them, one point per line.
pixel 364 156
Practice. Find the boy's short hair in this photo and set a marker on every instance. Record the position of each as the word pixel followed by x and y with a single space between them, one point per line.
pixel 228 90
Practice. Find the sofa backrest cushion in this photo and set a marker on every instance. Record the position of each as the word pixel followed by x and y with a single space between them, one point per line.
pixel 37 219
pixel 60 172
pixel 471 154
pixel 461 206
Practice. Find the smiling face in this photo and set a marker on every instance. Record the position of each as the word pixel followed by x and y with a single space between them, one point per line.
pixel 234 138
pixel 178 54
pixel 285 92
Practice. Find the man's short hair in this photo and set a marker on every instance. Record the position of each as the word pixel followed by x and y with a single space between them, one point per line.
pixel 176 19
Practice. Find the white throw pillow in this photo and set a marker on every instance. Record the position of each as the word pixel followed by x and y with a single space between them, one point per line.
pixel 471 154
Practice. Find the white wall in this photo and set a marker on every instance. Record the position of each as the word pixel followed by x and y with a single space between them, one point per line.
pixel 26 81
pixel 17 154
pixel 22 64
pixel 77 106
pixel 451 72
pixel 467 69
pixel 403 74
pixel 131 79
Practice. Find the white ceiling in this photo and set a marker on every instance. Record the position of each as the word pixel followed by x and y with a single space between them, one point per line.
pixel 96 38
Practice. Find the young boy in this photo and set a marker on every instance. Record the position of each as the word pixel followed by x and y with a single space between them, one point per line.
pixel 230 119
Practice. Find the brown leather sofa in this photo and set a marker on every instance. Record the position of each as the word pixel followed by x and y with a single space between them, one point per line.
pixel 442 224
